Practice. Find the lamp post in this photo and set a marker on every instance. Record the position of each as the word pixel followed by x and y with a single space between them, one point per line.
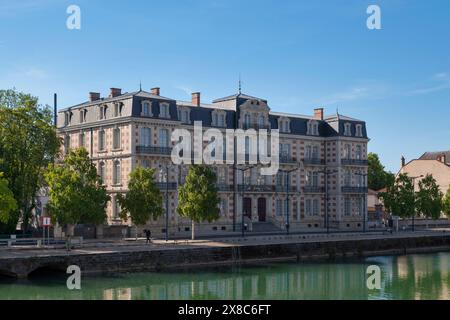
pixel 164 178
pixel 364 175
pixel 243 193
pixel 287 174
pixel 326 173
pixel 413 179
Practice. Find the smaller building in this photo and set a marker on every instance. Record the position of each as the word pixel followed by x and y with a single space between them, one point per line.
pixel 434 163
pixel 375 209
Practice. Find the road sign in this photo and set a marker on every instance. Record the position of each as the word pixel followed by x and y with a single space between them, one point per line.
pixel 46 222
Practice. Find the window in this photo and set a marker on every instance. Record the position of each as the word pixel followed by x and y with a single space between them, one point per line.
pixel 67 144
pixel 348 206
pixel 215 119
pixel 261 121
pixel 315 152
pixel 315 179
pixel 247 120
pixel 316 207
pixel 308 152
pixel 308 207
pixel 81 140
pixel 146 139
pixel 146 109
pixel 117 209
pixel 222 120
pixel 221 175
pixel 286 126
pixel 117 178
pixel 358 152
pixel 347 151
pixel 360 206
pixel 117 110
pixel 285 150
pixel 102 112
pixel 279 207
pixel 101 140
pixel 313 128
pixel 164 110
pixel 83 114
pixel 347 129
pixel 116 138
pixel 66 119
pixel 359 130
pixel 102 172
pixel 224 206
pixel 163 137
pixel 347 178
pixel 145 163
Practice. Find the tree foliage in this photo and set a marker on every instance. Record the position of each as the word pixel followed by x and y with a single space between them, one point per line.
pixel 198 198
pixel 28 144
pixel 399 198
pixel 378 178
pixel 446 203
pixel 143 201
pixel 76 191
pixel 429 198
pixel 7 201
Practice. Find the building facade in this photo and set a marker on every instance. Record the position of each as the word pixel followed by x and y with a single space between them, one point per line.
pixel 326 158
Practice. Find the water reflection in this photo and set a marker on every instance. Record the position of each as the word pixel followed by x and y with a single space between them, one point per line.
pixel 405 277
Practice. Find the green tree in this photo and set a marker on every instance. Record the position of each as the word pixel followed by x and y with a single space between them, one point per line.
pixel 28 144
pixel 399 198
pixel 7 201
pixel 198 198
pixel 76 191
pixel 429 198
pixel 143 201
pixel 378 178
pixel 446 203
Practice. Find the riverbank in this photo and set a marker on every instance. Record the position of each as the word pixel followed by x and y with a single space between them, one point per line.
pixel 159 256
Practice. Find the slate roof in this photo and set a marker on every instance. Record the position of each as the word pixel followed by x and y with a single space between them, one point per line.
pixel 435 156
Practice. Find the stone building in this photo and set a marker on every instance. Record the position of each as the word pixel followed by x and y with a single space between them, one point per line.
pixel 328 156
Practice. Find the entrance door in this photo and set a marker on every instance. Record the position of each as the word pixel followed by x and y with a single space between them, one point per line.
pixel 247 207
pixel 262 209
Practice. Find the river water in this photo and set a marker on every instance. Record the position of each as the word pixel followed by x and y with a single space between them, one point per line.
pixel 409 277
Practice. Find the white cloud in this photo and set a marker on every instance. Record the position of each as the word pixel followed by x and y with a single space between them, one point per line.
pixel 35 73
pixel 441 81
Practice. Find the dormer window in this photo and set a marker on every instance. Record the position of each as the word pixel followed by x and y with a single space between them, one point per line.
pixel 219 119
pixel 102 112
pixel 313 128
pixel 164 110
pixel 146 109
pixel 118 109
pixel 184 115
pixel 83 114
pixel 359 130
pixel 347 129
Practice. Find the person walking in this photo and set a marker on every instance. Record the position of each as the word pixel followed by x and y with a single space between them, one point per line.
pixel 148 234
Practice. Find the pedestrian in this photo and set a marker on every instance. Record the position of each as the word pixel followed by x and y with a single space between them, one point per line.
pixel 148 234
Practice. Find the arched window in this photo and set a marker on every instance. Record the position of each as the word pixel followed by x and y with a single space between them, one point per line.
pixel 102 172
pixel 101 140
pixel 117 178
pixel 116 138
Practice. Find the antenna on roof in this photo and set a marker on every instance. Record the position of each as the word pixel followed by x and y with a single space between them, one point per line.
pixel 140 85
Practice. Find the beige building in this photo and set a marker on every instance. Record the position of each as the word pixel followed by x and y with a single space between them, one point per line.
pixel 128 130
pixel 434 163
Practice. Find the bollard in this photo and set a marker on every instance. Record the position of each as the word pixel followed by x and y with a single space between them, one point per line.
pixel 39 243
pixel 9 243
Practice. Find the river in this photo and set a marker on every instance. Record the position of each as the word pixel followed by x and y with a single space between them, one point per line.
pixel 425 276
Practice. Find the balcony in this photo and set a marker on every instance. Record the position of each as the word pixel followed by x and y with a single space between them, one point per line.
pixel 313 189
pixel 361 190
pixel 314 161
pixel 292 189
pixel 154 150
pixel 163 186
pixel 222 187
pixel 256 188
pixel 284 159
pixel 354 162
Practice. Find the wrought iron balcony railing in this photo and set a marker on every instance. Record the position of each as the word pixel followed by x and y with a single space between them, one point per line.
pixel 313 189
pixel 256 188
pixel 354 162
pixel 154 150
pixel 348 189
pixel 314 161
pixel 163 185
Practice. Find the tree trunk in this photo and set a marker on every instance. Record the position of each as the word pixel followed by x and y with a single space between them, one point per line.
pixel 70 230
pixel 193 230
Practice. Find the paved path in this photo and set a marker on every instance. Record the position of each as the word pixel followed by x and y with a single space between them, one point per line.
pixel 92 247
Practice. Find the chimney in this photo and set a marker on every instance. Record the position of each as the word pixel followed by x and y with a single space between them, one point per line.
pixel 156 91
pixel 94 96
pixel 318 113
pixel 115 92
pixel 403 161
pixel 443 158
pixel 196 98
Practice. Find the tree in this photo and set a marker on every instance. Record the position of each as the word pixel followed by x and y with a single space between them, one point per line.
pixel 143 201
pixel 399 198
pixel 429 198
pixel 446 203
pixel 7 201
pixel 76 191
pixel 378 178
pixel 198 198
pixel 28 144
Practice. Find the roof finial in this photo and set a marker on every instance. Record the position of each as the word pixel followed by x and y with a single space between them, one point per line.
pixel 240 84
pixel 140 85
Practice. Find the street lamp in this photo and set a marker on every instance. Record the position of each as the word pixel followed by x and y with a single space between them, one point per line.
pixel 164 178
pixel 364 175
pixel 326 173
pixel 287 173
pixel 413 179
pixel 243 193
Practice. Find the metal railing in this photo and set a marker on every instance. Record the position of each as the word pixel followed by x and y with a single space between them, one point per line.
pixel 354 162
pixel 349 189
pixel 154 150
pixel 163 185
pixel 314 161
pixel 313 189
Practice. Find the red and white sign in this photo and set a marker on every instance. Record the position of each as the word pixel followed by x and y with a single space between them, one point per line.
pixel 46 222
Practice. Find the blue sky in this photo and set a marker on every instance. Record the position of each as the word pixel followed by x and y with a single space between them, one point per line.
pixel 297 54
